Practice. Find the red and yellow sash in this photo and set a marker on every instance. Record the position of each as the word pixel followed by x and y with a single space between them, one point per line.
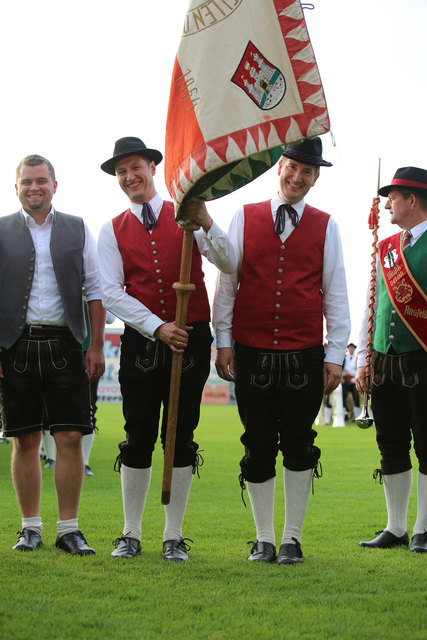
pixel 406 295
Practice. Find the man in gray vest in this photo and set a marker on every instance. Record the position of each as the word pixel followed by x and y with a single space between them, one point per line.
pixel 48 262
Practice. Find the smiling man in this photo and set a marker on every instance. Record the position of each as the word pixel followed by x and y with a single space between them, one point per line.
pixel 48 260
pixel 139 258
pixel 398 383
pixel 290 276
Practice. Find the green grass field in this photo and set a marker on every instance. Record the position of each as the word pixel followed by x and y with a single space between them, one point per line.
pixel 340 591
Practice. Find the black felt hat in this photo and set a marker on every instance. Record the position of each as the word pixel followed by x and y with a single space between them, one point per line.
pixel 130 146
pixel 407 178
pixel 308 151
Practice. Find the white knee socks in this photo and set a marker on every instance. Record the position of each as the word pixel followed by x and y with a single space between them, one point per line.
pixel 135 485
pixel 261 495
pixel 421 523
pixel 297 492
pixel 397 488
pixel 182 477
pixel 87 442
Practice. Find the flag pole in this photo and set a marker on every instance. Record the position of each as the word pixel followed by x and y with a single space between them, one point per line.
pixel 183 289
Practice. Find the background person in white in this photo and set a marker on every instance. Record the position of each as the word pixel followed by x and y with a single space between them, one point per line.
pixel 48 260
pixel 290 274
pixel 139 259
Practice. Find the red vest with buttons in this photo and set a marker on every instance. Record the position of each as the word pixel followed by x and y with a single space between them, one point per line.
pixel 151 264
pixel 279 303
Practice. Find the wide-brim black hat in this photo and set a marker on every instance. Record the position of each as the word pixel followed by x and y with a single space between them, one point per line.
pixel 130 146
pixel 407 178
pixel 308 151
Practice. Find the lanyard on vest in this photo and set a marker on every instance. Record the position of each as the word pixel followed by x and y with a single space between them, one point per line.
pixel 404 292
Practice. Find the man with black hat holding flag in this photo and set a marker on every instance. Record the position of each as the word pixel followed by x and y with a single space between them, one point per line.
pixel 139 260
pixel 290 275
pixel 398 382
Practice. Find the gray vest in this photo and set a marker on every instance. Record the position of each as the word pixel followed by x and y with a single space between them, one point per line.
pixel 17 260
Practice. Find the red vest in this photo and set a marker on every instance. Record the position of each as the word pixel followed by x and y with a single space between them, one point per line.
pixel 151 265
pixel 279 303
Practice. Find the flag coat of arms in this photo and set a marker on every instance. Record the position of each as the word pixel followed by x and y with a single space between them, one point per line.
pixel 245 83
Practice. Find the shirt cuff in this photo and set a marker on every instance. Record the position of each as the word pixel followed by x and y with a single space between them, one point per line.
pixel 223 339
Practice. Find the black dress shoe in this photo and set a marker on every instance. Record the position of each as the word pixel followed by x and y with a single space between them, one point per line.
pixel 74 543
pixel 419 543
pixel 290 553
pixel 176 550
pixel 126 547
pixel 262 552
pixel 28 540
pixel 386 540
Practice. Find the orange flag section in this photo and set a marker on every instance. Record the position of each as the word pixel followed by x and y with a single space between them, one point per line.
pixel 183 134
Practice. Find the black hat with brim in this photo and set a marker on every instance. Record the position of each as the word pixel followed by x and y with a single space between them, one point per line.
pixel 406 178
pixel 125 147
pixel 308 151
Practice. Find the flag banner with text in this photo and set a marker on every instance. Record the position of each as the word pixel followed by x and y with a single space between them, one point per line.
pixel 245 83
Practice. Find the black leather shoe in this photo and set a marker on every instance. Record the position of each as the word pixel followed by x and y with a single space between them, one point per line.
pixel 176 550
pixel 74 543
pixel 262 551
pixel 126 547
pixel 290 553
pixel 28 540
pixel 419 543
pixel 386 540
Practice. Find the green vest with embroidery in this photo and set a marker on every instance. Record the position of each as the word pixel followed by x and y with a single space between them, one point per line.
pixel 388 322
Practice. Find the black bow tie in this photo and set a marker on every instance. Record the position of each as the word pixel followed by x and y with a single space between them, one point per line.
pixel 282 210
pixel 148 218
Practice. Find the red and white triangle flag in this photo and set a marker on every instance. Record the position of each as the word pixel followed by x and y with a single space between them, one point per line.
pixel 245 83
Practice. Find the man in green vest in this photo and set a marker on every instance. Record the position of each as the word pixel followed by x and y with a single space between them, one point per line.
pixel 398 382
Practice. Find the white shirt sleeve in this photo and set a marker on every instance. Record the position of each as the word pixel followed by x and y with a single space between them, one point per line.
pixel 363 334
pixel 114 297
pixel 216 247
pixel 227 285
pixel 335 299
pixel 91 286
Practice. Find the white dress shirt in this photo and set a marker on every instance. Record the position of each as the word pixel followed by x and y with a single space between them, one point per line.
pixel 214 245
pixel 416 233
pixel 45 304
pixel 334 286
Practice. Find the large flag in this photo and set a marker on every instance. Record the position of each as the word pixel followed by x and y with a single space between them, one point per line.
pixel 245 83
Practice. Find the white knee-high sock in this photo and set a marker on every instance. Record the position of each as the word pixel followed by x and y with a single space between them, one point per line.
pixel 397 488
pixel 297 493
pixel 421 522
pixel 182 478
pixel 135 485
pixel 261 495
pixel 87 442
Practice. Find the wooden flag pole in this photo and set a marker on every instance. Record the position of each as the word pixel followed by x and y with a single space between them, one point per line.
pixel 183 288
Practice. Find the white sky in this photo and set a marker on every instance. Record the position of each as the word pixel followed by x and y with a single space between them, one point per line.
pixel 76 76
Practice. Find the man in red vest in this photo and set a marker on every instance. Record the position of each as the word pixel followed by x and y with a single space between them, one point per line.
pixel 139 260
pixel 399 361
pixel 290 275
